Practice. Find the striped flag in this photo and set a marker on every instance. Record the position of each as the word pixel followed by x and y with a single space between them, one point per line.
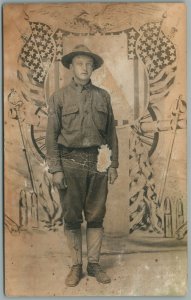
pixel 161 86
pixel 29 89
pixel 38 52
pixel 158 54
pixel 35 60
pixel 138 88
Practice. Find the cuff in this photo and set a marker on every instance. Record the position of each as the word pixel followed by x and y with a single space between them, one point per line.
pixel 55 170
pixel 114 164
pixel 54 165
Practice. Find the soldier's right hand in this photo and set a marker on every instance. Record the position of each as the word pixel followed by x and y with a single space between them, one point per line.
pixel 59 180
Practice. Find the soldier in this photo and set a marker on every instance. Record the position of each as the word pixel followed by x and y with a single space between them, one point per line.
pixel 80 120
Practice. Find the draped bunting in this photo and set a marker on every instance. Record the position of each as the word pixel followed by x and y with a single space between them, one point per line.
pixel 143 203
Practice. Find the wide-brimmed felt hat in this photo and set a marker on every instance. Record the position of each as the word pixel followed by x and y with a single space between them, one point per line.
pixel 81 50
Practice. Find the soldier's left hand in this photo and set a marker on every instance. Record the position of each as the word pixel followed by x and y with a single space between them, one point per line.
pixel 112 175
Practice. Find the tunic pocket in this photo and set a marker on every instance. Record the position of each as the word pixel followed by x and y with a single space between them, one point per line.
pixel 101 116
pixel 70 118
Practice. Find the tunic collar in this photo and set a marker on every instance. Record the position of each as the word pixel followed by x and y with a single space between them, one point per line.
pixel 80 87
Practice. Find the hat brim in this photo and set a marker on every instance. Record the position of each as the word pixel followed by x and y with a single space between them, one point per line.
pixel 67 59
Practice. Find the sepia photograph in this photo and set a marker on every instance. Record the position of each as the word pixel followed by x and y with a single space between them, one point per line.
pixel 95 149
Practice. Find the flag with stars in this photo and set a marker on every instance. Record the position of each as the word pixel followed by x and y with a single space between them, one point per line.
pixel 132 36
pixel 155 49
pixel 58 38
pixel 38 52
pixel 158 54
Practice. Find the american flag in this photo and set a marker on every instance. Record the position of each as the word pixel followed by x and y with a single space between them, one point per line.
pixel 155 49
pixel 38 52
pixel 158 54
pixel 154 64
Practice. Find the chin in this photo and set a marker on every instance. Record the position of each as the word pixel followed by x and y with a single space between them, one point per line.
pixel 84 77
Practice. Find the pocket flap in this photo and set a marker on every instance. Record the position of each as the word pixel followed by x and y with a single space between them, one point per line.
pixel 70 110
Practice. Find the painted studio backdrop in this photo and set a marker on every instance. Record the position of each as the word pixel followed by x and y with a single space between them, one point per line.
pixel 143 47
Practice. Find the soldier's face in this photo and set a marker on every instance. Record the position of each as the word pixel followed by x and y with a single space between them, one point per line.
pixel 82 67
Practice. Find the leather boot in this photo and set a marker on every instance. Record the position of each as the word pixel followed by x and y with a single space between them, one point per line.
pixel 94 241
pixel 74 275
pixel 74 241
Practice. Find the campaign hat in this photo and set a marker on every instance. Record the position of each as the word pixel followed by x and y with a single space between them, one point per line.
pixel 82 50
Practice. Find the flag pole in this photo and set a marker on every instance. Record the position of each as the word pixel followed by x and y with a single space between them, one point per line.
pixel 31 176
pixel 176 116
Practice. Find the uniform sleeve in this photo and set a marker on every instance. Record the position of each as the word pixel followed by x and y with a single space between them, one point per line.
pixel 52 133
pixel 112 139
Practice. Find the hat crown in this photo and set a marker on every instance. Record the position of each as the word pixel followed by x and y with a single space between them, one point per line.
pixel 82 48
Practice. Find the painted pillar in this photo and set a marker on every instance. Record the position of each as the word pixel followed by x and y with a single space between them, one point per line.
pixel 34 210
pixel 179 213
pixel 168 233
pixel 23 210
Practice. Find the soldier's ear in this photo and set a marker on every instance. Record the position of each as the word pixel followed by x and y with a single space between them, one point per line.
pixel 71 67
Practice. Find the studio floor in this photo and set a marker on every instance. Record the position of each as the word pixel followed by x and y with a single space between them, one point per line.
pixel 37 263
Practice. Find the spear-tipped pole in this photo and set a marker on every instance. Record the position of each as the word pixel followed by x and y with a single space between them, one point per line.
pixel 25 151
pixel 176 116
pixel 16 103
